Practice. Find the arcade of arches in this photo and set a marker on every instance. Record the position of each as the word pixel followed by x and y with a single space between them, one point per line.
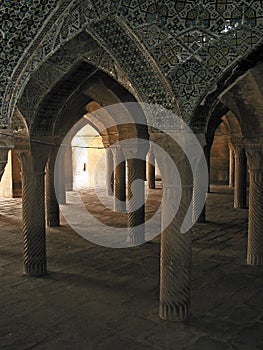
pixel 200 60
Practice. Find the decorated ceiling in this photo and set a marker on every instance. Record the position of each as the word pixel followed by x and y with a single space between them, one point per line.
pixel 188 45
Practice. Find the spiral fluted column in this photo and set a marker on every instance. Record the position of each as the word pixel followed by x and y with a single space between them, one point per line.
pixel 198 201
pixel 255 216
pixel 119 180
pixel 109 172
pixel 240 177
pixel 52 207
pixel 136 198
pixel 176 247
pixel 33 195
pixel 151 169
pixel 176 260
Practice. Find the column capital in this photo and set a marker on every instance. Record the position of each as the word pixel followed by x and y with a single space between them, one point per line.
pixel 254 154
pixel 133 148
pixel 33 158
pixel 237 145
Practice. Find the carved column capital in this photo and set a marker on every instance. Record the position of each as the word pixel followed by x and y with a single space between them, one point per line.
pixel 33 157
pixel 237 145
pixel 132 148
pixel 254 154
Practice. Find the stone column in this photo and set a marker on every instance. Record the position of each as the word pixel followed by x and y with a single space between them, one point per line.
pixel 198 195
pixel 240 176
pixel 135 155
pixel 34 233
pixel 60 175
pixel 52 207
pixel 68 168
pixel 151 169
pixel 231 166
pixel 255 215
pixel 176 247
pixel 119 180
pixel 109 172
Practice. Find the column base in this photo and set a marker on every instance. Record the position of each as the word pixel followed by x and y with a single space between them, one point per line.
pixel 174 313
pixel 138 238
pixel 120 208
pixel 253 259
pixel 110 193
pixel 240 206
pixel 36 270
pixel 201 220
pixel 53 222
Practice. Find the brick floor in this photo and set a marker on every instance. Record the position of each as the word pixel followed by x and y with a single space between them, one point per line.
pixel 102 298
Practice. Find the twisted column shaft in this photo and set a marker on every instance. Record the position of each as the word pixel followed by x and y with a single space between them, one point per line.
pixel 255 219
pixel 109 172
pixel 119 181
pixel 176 260
pixel 198 199
pixel 136 199
pixel 33 161
pixel 176 247
pixel 34 233
pixel 52 207
pixel 240 177
pixel 255 214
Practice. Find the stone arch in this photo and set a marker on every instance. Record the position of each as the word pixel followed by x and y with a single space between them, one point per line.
pixel 221 81
pixel 125 68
